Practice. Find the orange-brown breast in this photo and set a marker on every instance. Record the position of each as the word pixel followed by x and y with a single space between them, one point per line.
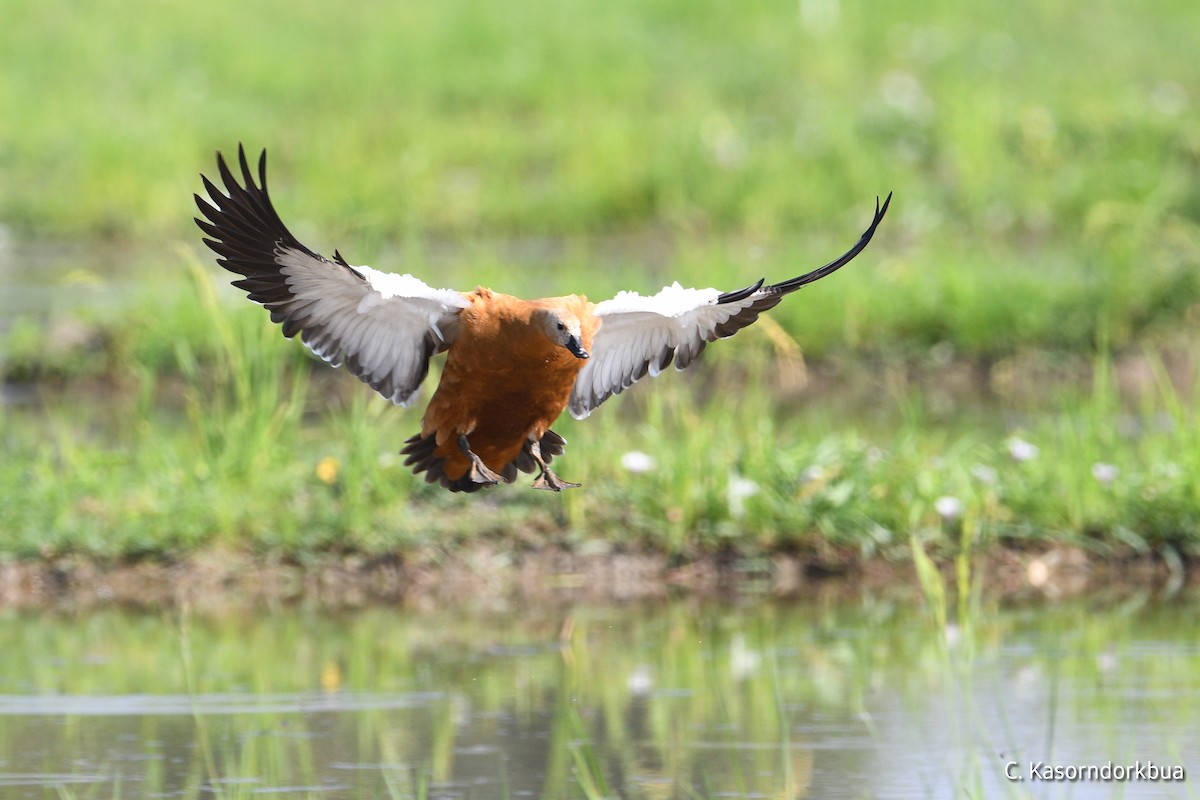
pixel 503 380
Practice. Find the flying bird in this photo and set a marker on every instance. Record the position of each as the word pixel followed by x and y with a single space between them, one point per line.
pixel 512 365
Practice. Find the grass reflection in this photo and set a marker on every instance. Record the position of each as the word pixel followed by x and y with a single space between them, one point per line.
pixel 682 700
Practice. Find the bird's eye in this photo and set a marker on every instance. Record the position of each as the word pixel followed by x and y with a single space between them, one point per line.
pixel 562 327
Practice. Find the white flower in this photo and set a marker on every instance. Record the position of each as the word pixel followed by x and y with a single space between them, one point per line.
pixel 983 473
pixel 739 490
pixel 638 462
pixel 954 635
pixel 1169 98
pixel 640 680
pixel 743 661
pixel 1105 473
pixel 948 508
pixel 902 92
pixel 1021 450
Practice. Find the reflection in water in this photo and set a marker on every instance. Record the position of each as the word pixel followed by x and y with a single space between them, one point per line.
pixel 683 701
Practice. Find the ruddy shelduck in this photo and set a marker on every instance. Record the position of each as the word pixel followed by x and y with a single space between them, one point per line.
pixel 512 365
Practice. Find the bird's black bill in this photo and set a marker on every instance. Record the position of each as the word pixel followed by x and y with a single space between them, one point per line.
pixel 576 348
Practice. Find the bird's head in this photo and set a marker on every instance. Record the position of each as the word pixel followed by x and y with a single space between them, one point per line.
pixel 563 328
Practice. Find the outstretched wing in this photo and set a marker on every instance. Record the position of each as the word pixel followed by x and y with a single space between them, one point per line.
pixel 640 335
pixel 383 327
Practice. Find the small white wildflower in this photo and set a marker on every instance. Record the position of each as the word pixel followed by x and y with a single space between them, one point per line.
pixel 983 473
pixel 743 661
pixel 1169 98
pixel 948 508
pixel 640 681
pixel 903 92
pixel 637 462
pixel 1105 473
pixel 1021 450
pixel 814 473
pixel 954 635
pixel 820 17
pixel 739 490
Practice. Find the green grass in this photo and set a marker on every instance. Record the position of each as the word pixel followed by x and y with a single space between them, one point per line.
pixel 254 446
pixel 1044 160
pixel 566 117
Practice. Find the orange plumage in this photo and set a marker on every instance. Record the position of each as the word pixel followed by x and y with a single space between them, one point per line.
pixel 504 382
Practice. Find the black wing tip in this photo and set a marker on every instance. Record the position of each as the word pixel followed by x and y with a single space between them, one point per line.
pixel 740 294
pixel 244 215
pixel 880 211
pixel 247 174
pixel 842 260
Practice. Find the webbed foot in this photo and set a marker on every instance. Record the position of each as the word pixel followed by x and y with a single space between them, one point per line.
pixel 546 479
pixel 479 472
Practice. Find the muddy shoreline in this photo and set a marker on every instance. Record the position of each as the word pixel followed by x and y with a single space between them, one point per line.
pixel 483 577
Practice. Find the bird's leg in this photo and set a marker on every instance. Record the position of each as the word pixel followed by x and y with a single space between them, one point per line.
pixel 546 479
pixel 479 472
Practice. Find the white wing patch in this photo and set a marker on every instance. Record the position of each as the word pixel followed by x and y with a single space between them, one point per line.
pixel 672 301
pixel 383 327
pixel 643 335
pixel 389 285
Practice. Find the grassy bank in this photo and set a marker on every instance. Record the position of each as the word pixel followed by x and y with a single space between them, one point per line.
pixel 1044 163
pixel 236 440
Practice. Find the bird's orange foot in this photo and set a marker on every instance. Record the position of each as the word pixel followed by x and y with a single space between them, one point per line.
pixel 479 472
pixel 546 479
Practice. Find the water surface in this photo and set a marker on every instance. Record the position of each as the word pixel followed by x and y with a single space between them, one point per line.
pixel 861 699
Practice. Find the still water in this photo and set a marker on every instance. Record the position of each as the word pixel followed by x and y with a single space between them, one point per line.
pixel 854 699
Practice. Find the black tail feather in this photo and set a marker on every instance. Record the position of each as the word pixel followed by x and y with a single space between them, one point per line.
pixel 419 452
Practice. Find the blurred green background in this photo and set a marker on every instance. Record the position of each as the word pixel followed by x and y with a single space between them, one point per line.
pixel 1045 158
pixel 1045 233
